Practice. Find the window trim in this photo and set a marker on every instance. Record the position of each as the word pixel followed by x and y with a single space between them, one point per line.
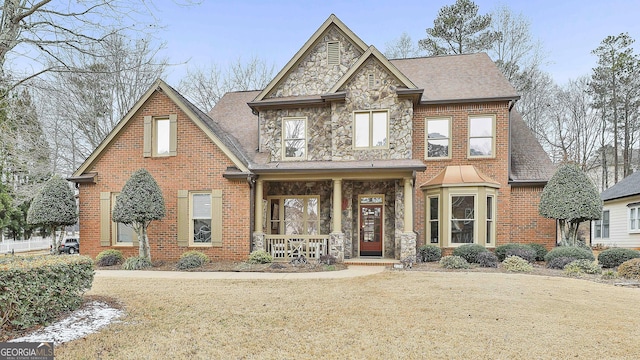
pixel 426 138
pixel 279 222
pixel 191 218
pixel 370 140
pixel 305 138
pixel 437 220
pixel 636 221
pixel 492 137
pixel 150 143
pixel 490 223
pixel 475 216
pixel 599 226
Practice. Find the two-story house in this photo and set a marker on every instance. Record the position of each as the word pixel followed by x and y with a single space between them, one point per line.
pixel 344 152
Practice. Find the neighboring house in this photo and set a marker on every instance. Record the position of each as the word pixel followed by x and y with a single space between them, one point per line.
pixel 620 222
pixel 344 152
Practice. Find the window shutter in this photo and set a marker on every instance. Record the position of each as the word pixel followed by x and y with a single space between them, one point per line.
pixel 105 218
pixel 173 134
pixel 333 53
pixel 216 217
pixel 146 152
pixel 183 218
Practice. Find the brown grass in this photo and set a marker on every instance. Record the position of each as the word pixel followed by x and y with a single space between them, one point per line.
pixel 411 315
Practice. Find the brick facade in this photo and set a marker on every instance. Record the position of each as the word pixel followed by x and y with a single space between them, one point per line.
pixel 199 165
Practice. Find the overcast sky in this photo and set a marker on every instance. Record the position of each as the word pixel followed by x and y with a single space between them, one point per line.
pixel 219 31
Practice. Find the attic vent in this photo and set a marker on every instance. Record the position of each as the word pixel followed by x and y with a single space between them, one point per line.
pixel 333 53
pixel 372 80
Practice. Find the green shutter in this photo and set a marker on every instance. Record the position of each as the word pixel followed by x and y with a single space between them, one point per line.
pixel 147 136
pixel 105 218
pixel 183 218
pixel 173 134
pixel 216 217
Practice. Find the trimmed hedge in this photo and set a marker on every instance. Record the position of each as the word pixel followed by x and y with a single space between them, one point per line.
pixel 430 253
pixel 469 252
pixel 191 260
pixel 36 290
pixel 574 252
pixel 260 257
pixel 501 251
pixel 487 259
pixel 454 262
pixel 109 257
pixel 613 257
pixel 540 250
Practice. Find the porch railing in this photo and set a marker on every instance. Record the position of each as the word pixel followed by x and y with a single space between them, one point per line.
pixel 288 247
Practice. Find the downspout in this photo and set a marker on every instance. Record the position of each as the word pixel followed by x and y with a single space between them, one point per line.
pixel 512 103
pixel 251 180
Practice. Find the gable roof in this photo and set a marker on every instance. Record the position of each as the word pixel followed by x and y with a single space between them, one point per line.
pixel 372 52
pixel 628 186
pixel 529 162
pixel 457 78
pixel 227 144
pixel 332 20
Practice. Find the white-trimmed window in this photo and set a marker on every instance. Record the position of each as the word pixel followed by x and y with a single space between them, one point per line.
pixel 294 215
pixel 434 219
pixel 463 219
pixel 122 235
pixel 294 138
pixel 601 227
pixel 438 138
pixel 634 218
pixel 200 218
pixel 371 129
pixel 482 136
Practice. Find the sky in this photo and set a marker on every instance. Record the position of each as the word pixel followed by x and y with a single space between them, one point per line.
pixel 221 31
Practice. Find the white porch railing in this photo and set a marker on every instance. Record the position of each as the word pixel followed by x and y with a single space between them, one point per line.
pixel 288 247
pixel 35 243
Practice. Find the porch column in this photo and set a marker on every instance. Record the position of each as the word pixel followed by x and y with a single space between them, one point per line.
pixel 258 207
pixel 337 206
pixel 408 204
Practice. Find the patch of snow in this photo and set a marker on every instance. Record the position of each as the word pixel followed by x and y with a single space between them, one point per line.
pixel 80 323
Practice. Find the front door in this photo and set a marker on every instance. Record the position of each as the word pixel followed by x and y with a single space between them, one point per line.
pixel 370 230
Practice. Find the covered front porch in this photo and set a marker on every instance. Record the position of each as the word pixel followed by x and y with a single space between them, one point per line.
pixel 348 216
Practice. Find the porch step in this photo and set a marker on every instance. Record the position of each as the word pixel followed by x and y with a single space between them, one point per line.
pixel 371 262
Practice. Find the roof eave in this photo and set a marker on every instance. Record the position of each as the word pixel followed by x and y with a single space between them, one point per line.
pixel 86 178
pixel 350 170
pixel 471 100
pixel 527 183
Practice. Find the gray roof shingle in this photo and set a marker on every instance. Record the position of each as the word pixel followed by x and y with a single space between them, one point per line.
pixel 529 161
pixel 628 186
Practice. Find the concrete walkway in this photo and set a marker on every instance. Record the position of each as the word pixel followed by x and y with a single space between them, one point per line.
pixel 351 271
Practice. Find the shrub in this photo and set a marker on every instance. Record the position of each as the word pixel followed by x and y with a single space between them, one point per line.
pixel 487 259
pixel 501 251
pixel 517 264
pixel 327 259
pixel 613 257
pixel 469 252
pixel 569 251
pixel 36 290
pixel 526 253
pixel 582 266
pixel 109 258
pixel 430 253
pixel 540 250
pixel 560 262
pixel 609 274
pixel 454 262
pixel 630 269
pixel 260 257
pixel 136 263
pixel 191 260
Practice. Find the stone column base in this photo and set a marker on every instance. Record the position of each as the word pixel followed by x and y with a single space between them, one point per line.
pixel 258 241
pixel 336 246
pixel 407 245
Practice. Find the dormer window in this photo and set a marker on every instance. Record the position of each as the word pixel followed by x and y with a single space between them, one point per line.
pixel 333 53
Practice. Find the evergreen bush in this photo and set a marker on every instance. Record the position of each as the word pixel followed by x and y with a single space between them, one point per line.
pixel 516 264
pixel 136 263
pixel 109 257
pixel 613 257
pixel 430 253
pixel 454 262
pixel 540 250
pixel 630 269
pixel 469 252
pixel 260 257
pixel 560 262
pixel 501 250
pixel 487 259
pixel 582 266
pixel 569 251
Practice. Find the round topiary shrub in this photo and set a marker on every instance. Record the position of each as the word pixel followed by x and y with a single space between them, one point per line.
pixel 487 259
pixel 429 253
pixel 569 251
pixel 613 257
pixel 501 250
pixel 526 253
pixel 540 250
pixel 516 264
pixel 260 257
pixel 136 263
pixel 582 266
pixel 469 252
pixel 454 262
pixel 560 262
pixel 630 269
pixel 109 258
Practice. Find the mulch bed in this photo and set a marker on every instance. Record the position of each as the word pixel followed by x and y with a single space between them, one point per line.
pixel 234 266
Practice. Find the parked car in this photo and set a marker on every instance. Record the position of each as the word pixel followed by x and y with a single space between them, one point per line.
pixel 70 246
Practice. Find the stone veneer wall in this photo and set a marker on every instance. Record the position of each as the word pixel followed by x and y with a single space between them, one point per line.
pixel 312 75
pixel 382 96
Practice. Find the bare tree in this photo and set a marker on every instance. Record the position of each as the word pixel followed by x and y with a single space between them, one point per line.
pixel 402 48
pixel 205 86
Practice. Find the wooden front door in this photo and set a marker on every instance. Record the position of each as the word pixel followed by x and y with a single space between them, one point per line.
pixel 370 230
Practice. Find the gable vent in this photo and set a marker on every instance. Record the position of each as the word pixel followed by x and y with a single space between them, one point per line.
pixel 333 53
pixel 372 80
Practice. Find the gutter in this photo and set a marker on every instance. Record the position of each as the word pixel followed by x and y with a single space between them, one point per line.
pixel 472 100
